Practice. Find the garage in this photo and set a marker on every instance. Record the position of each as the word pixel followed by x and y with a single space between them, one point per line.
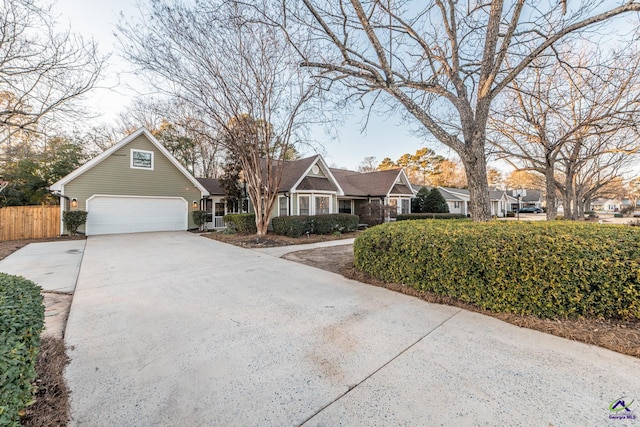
pixel 135 214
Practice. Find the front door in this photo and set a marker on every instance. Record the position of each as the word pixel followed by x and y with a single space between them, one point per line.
pixel 218 214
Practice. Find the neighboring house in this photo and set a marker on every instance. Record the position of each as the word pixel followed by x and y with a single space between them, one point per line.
pixel 310 187
pixel 606 205
pixel 528 199
pixel 458 201
pixel 134 186
pixel 629 202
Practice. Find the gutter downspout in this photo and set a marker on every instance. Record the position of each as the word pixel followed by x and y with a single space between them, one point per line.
pixel 60 195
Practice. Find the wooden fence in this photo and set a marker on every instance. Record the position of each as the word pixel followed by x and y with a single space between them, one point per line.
pixel 29 222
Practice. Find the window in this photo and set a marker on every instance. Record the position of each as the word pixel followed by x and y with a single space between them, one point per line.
pixel 406 206
pixel 284 206
pixel 304 205
pixel 344 206
pixel 322 205
pixel 456 205
pixel 141 159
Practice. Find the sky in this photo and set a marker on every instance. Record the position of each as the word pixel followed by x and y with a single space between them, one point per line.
pixel 384 137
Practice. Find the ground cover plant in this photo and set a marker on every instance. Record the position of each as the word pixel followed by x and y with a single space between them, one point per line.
pixel 21 321
pixel 545 269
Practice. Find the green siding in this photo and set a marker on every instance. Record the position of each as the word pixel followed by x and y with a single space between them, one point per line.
pixel 114 176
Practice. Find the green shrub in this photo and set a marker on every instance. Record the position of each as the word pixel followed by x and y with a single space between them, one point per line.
pixel 420 200
pixel 73 220
pixel 327 224
pixel 404 217
pixel 291 226
pixel 434 202
pixel 546 269
pixel 241 223
pixel 510 214
pixel 21 321
pixel 200 218
pixel 296 226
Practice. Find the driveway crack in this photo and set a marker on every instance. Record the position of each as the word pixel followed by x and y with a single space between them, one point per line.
pixel 354 386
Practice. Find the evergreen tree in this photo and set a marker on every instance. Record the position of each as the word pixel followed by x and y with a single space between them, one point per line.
pixel 419 203
pixel 435 203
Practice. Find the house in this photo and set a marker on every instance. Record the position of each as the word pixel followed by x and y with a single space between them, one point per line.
pixel 528 199
pixel 458 201
pixel 606 205
pixel 310 187
pixel 134 186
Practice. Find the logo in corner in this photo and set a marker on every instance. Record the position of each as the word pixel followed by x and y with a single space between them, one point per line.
pixel 621 409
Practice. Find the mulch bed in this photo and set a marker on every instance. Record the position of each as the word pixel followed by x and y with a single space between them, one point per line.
pixel 51 407
pixel 273 240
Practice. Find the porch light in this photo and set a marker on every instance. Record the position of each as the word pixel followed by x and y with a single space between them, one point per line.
pixel 195 205
pixel 74 203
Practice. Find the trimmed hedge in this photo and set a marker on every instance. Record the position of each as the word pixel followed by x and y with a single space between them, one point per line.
pixel 296 226
pixel 242 223
pixel 433 215
pixel 546 269
pixel 21 321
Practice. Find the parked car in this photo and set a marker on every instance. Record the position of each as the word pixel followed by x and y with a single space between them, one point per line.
pixel 531 209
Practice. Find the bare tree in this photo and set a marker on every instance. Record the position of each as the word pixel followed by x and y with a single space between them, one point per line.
pixel 219 59
pixel 571 117
pixel 181 130
pixel 592 166
pixel 368 164
pixel 42 71
pixel 443 63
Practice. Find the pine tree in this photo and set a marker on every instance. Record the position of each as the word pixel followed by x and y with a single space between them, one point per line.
pixel 435 203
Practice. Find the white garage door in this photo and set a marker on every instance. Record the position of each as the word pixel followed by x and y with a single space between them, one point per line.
pixel 121 214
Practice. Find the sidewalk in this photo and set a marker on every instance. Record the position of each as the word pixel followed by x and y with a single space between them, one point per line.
pixel 283 250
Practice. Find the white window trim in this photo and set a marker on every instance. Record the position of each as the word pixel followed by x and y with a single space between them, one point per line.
pixel 328 196
pixel 140 167
pixel 309 206
pixel 286 202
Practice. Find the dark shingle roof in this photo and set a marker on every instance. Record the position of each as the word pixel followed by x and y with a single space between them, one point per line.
pixel 400 189
pixel 293 171
pixel 316 183
pixel 378 183
pixel 212 186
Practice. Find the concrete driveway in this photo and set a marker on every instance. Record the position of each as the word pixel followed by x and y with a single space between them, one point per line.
pixel 176 329
pixel 51 265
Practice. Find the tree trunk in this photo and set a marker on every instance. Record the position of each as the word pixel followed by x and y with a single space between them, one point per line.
pixel 475 165
pixel 571 196
pixel 550 184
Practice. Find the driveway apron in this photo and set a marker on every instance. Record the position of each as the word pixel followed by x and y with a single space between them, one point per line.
pixel 176 329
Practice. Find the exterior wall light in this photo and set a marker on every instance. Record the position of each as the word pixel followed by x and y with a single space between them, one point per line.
pixel 74 203
pixel 195 205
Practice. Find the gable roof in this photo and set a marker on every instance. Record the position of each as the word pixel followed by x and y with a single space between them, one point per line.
pixel 450 197
pixel 378 183
pixel 212 185
pixel 463 193
pixel 57 186
pixel 294 171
